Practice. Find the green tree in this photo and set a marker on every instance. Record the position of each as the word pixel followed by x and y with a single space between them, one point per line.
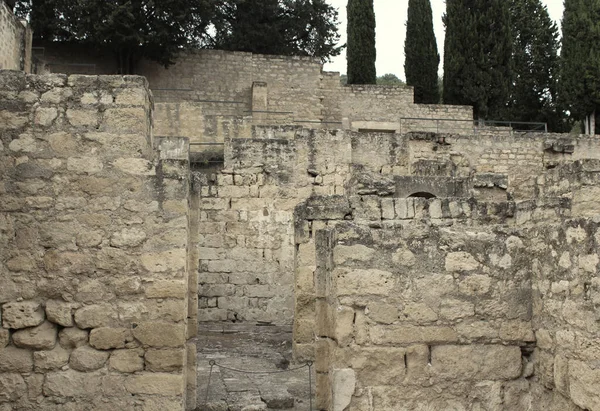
pixel 535 65
pixel 361 53
pixel 477 56
pixel 132 29
pixel 580 61
pixel 389 79
pixel 421 53
pixel 284 27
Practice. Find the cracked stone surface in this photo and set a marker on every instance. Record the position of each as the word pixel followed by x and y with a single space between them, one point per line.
pixel 250 348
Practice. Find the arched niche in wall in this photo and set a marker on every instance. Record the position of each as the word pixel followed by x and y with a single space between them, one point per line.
pixel 422 194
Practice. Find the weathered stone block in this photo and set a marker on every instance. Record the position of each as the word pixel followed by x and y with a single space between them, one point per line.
pixel 15 360
pixel 583 385
pixel 359 252
pixel 96 316
pixel 344 325
pixel 45 116
pixel 110 338
pixel 73 337
pixel 87 359
pixel 83 117
pixel 166 289
pixel 476 362
pixel 561 375
pixel 4 338
pixel 451 309
pixel 419 313
pixel 363 282
pixel 404 258
pixel 127 361
pixel 84 165
pixel 475 285
pixel 343 386
pixel 60 312
pixel 383 313
pixel 164 360
pixel 12 387
pixel 517 331
pixel 50 360
pixel 135 166
pixel 397 334
pixel 173 260
pixel 461 261
pixel 19 315
pixel 42 337
pixel 160 334
pixel 155 384
pixel 128 237
pixel 71 383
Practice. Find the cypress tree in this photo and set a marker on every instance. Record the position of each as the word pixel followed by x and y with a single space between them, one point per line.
pixel 361 53
pixel 421 53
pixel 477 56
pixel 535 64
pixel 580 60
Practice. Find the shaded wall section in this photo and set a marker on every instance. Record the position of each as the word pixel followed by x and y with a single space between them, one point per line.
pixel 15 41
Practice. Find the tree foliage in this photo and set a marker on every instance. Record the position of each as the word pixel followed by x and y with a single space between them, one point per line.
pixel 132 29
pixel 389 79
pixel 421 53
pixel 361 53
pixel 284 27
pixel 580 58
pixel 535 65
pixel 477 55
pixel 159 29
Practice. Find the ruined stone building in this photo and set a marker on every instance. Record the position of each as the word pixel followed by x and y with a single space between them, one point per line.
pixel 422 262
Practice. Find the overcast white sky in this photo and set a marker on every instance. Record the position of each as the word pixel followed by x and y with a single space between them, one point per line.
pixel 391 29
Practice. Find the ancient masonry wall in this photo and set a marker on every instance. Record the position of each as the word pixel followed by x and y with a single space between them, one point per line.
pixel 441 286
pixel 393 108
pixel 209 93
pixel 247 208
pixel 422 317
pixel 566 297
pixel 412 311
pixel 93 245
pixel 15 41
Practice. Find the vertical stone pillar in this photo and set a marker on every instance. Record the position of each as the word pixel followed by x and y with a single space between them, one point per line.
pixel 260 102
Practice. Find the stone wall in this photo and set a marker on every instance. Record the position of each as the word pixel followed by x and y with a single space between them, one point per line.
pixel 15 41
pixel 424 317
pixel 247 207
pixel 93 245
pixel 566 295
pixel 254 89
pixel 444 281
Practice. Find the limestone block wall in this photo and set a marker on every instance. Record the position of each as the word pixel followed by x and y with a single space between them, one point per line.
pixel 246 209
pixel 392 108
pixel 15 41
pixel 296 91
pixel 419 317
pixel 93 244
pixel 246 239
pixel 566 295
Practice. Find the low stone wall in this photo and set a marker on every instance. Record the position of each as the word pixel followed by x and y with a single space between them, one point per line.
pixel 418 317
pixel 93 241
pixel 566 295
pixel 15 41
